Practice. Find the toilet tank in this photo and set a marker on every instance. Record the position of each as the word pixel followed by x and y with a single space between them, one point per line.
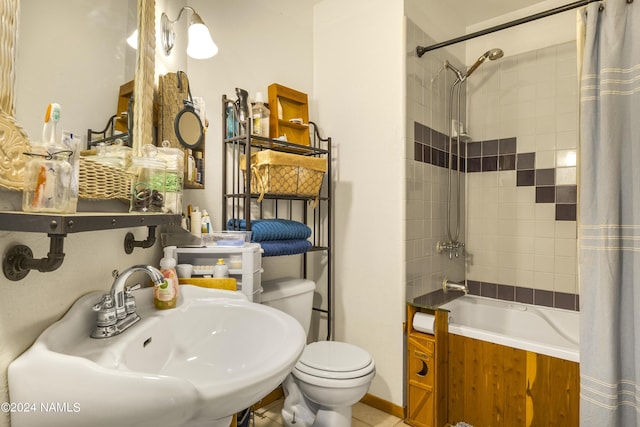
pixel 293 296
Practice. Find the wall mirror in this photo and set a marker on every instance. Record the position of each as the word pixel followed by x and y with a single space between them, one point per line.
pixel 72 52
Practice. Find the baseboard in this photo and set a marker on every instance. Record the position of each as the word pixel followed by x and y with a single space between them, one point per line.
pixel 383 405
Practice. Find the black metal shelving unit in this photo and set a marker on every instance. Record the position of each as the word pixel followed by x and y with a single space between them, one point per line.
pixel 237 196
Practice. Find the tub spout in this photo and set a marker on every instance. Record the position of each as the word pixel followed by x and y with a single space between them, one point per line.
pixel 450 285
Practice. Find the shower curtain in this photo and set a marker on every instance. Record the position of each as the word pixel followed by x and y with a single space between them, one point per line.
pixel 609 214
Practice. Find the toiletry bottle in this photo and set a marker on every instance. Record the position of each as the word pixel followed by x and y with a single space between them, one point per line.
pixel 196 222
pixel 260 117
pixel 205 222
pixel 199 162
pixel 191 166
pixel 220 269
pixel 166 295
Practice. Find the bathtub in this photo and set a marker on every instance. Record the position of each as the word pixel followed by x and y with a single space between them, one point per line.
pixel 550 331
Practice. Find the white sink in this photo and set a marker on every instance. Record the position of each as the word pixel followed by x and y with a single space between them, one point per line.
pixel 213 355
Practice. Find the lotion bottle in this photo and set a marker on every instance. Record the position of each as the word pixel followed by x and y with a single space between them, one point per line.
pixel 165 296
pixel 260 117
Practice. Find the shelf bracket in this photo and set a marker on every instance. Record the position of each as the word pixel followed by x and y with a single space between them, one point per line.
pixel 130 242
pixel 19 261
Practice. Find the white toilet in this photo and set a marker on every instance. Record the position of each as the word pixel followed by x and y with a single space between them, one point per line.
pixel 330 376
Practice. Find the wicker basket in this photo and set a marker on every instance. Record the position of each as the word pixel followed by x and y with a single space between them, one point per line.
pixel 99 181
pixel 285 174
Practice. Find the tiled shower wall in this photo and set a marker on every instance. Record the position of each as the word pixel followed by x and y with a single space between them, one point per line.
pixel 520 181
pixel 426 183
pixel 521 216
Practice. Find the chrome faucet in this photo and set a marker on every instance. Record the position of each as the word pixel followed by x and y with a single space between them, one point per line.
pixel 117 309
pixel 450 285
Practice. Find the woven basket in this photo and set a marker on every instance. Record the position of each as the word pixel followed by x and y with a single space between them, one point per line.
pixel 103 182
pixel 285 174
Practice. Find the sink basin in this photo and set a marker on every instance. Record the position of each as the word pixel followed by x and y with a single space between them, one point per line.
pixel 213 355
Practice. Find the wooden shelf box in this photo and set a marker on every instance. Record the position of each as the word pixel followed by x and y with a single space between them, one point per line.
pixel 286 104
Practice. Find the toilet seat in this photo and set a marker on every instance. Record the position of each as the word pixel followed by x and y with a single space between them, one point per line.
pixel 335 360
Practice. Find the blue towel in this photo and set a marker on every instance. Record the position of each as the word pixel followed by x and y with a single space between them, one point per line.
pixel 263 230
pixel 285 247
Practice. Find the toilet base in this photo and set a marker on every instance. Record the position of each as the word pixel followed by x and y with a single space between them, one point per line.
pixel 298 411
pixel 335 417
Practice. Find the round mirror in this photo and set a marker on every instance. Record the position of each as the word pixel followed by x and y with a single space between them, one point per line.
pixel 188 127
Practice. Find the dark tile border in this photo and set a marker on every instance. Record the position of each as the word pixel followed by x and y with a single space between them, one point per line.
pixel 519 294
pixel 562 300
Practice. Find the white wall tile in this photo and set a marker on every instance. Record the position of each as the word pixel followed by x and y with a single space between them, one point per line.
pixel 543 280
pixel 545 158
pixel 565 283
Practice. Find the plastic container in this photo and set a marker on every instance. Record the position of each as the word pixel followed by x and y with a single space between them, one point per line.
pixel 174 160
pixel 165 296
pixel 148 188
pixel 220 269
pixel 227 238
pixel 48 176
pixel 235 261
pixel 260 117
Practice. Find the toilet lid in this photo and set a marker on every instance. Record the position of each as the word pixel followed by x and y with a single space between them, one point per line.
pixel 334 359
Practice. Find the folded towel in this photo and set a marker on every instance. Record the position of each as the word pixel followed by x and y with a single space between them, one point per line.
pixel 263 230
pixel 285 247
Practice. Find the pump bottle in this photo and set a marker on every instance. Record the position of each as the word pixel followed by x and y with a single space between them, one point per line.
pixel 165 296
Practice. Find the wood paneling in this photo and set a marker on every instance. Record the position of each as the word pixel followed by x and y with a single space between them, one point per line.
pixel 421 379
pixel 491 385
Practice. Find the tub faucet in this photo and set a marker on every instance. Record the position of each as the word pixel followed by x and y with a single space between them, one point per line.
pixel 117 309
pixel 450 285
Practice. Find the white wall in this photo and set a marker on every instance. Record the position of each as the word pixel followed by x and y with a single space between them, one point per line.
pixel 358 80
pixel 260 43
pixel 534 35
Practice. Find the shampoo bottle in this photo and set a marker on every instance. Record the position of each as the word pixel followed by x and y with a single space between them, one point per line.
pixel 205 223
pixel 260 117
pixel 166 295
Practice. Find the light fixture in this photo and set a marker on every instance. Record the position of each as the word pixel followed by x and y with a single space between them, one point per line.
pixel 132 40
pixel 200 46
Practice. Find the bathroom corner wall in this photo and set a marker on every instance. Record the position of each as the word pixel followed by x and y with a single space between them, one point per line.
pixel 427 151
pixel 359 67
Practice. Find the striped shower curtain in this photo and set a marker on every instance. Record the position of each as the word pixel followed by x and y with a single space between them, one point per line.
pixel 609 214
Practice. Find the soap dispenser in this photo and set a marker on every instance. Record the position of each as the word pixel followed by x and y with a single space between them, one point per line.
pixel 166 295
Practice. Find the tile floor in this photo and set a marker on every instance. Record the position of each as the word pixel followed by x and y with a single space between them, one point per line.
pixel 363 416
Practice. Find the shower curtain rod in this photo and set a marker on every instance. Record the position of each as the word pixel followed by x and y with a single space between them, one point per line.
pixel 421 50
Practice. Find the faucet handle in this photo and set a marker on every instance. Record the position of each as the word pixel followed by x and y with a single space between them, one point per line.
pixel 106 311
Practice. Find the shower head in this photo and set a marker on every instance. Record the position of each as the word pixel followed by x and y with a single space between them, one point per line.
pixel 492 55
